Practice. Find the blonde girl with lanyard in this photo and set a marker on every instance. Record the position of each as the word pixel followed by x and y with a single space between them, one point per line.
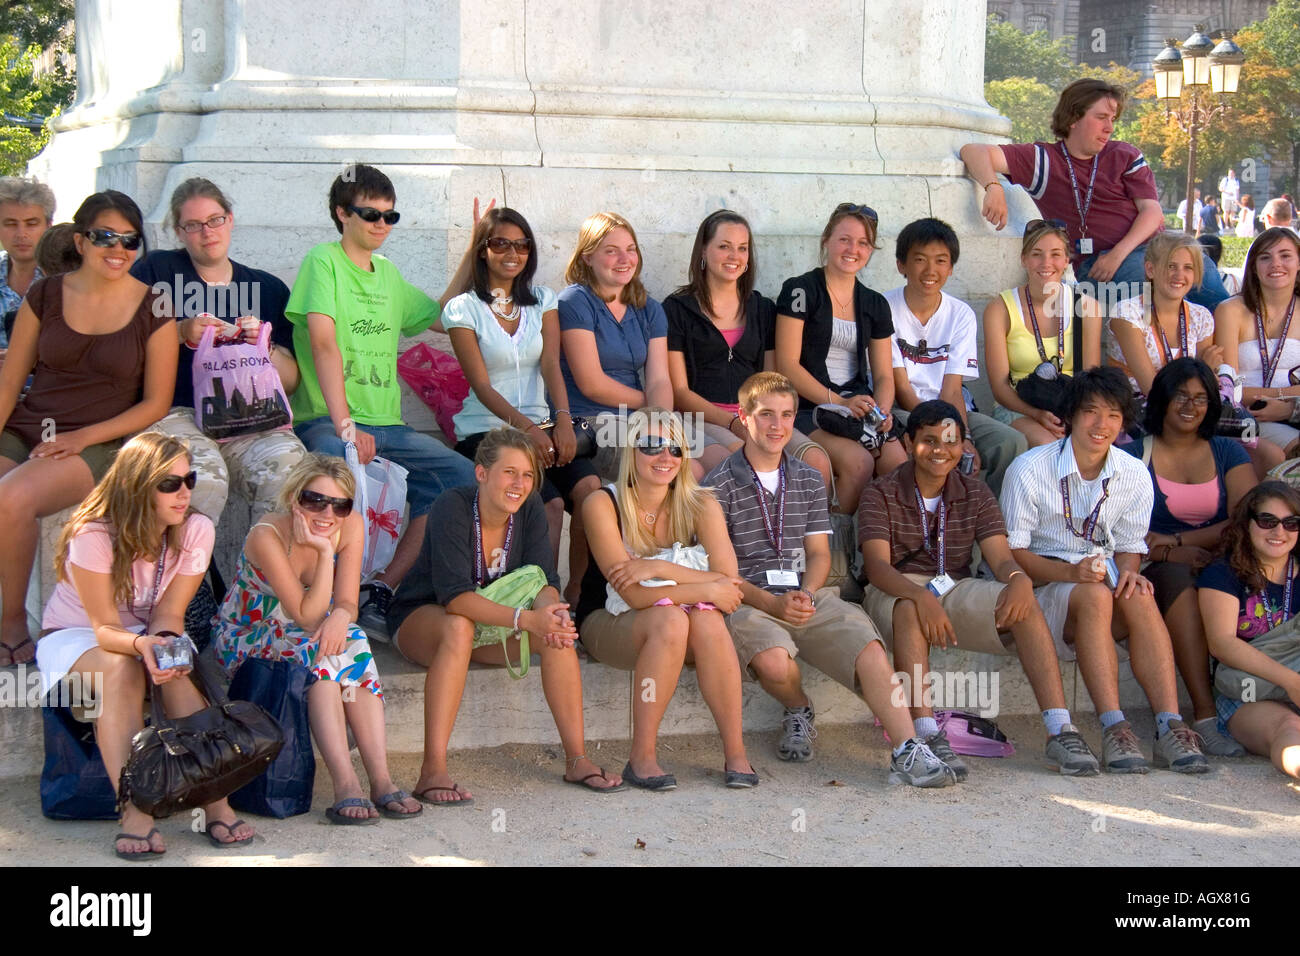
pixel 1249 592
pixel 1260 338
pixel 1029 331
pixel 1147 332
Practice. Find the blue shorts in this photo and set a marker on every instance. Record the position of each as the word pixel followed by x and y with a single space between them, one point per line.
pixel 432 467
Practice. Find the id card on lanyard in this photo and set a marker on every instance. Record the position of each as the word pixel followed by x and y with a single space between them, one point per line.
pixel 1286 594
pixel 941 583
pixel 1084 245
pixel 774 525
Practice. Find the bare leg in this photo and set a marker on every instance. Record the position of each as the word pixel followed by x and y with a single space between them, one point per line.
pixel 718 673
pixel 1272 729
pixel 365 715
pixel 1037 655
pixel 778 674
pixel 1191 652
pixel 1150 651
pixel 875 680
pixel 661 633
pixel 329 727
pixel 1088 622
pixel 911 657
pixel 1265 455
pixel 1035 434
pixel 578 553
pixel 555 525
pixel 852 466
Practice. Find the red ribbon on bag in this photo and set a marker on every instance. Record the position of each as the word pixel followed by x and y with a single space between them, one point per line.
pixel 388 520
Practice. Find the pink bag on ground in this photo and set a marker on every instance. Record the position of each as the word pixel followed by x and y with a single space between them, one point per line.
pixel 439 381
pixel 237 390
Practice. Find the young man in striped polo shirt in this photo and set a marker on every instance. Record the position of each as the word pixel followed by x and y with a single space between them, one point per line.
pixel 917 528
pixel 1077 515
pixel 778 522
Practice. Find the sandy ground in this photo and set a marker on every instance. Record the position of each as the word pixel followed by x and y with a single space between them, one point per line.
pixel 839 809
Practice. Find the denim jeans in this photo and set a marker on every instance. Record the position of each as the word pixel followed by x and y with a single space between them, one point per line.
pixel 432 466
pixel 1132 272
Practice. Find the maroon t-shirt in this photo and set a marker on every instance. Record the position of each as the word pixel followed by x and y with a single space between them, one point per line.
pixel 1123 177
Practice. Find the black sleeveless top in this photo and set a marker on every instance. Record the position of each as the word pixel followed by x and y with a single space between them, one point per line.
pixel 592 595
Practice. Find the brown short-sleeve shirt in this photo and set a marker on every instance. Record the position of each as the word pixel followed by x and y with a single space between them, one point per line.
pixel 80 379
pixel 887 512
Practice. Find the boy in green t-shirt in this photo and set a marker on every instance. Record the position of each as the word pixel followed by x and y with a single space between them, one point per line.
pixel 349 307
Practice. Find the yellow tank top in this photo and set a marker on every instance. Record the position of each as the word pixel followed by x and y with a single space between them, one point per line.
pixel 1022 350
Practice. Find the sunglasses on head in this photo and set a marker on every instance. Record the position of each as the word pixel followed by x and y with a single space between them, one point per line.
pixel 104 238
pixel 858 210
pixel 172 483
pixel 652 445
pixel 1042 223
pixel 371 214
pixel 501 244
pixel 1268 522
pixel 315 502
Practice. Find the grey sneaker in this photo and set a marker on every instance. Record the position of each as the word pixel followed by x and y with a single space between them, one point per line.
pixel 1214 743
pixel 797 733
pixel 1180 750
pixel 1070 754
pixel 939 746
pixel 373 615
pixel 1120 751
pixel 917 766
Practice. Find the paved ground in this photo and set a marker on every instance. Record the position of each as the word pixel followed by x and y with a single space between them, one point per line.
pixel 837 810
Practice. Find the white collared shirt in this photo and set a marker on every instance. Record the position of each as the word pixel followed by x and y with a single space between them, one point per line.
pixel 1034 511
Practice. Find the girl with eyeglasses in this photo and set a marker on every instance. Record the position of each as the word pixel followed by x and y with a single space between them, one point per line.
pixel 202 286
pixel 1246 597
pixel 506 335
pixel 484 589
pixel 833 339
pixel 1198 478
pixel 656 506
pixel 1029 330
pixel 103 360
pixel 127 564
pixel 1261 338
pixel 721 330
pixel 294 598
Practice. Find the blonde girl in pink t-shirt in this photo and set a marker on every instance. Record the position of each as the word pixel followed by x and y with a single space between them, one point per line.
pixel 128 563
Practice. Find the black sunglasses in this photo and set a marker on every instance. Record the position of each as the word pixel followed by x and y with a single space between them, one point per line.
pixel 172 483
pixel 104 238
pixel 371 214
pixel 315 502
pixel 1268 522
pixel 652 445
pixel 501 244
pixel 858 210
pixel 1042 223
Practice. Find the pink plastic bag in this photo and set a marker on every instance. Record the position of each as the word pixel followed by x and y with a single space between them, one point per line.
pixel 237 390
pixel 439 381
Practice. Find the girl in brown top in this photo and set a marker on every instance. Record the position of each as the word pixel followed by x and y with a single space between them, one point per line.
pixel 103 366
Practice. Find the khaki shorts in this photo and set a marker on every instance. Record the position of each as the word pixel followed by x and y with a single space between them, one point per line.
pixel 831 641
pixel 97 457
pixel 970 606
pixel 608 638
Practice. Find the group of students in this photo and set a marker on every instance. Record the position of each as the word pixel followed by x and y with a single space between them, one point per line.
pixel 708 546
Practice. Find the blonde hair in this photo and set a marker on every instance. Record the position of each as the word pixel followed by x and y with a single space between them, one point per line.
pixel 1162 246
pixel 124 500
pixel 312 466
pixel 503 437
pixel 593 232
pixel 686 498
pixel 762 384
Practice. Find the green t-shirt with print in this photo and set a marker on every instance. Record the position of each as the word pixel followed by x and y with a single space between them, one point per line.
pixel 371 311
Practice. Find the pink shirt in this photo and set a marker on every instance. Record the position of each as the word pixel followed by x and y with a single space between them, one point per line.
pixel 92 549
pixel 1191 504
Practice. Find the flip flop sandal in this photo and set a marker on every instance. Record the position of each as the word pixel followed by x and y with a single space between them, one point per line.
pixel 13 661
pixel 397 796
pixel 462 801
pixel 342 819
pixel 230 830
pixel 142 854
pixel 601 774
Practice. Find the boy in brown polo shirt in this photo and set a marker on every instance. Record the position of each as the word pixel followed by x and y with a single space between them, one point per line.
pixel 916 529
pixel 777 520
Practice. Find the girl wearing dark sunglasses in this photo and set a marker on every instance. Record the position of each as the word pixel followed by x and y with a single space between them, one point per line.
pixel 128 562
pixel 1248 599
pixel 104 358
pixel 294 598
pixel 833 342
pixel 506 334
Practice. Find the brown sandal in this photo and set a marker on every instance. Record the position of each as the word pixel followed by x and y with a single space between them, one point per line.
pixel 460 801
pixel 601 774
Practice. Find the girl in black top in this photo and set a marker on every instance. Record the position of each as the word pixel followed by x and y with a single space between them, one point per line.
pixel 476 535
pixel 833 342
pixel 720 332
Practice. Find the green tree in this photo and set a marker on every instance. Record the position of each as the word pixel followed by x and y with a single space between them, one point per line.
pixel 32 31
pixel 1027 103
pixel 1010 52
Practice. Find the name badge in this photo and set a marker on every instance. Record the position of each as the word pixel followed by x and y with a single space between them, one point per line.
pixel 783 578
pixel 1085 246
pixel 940 584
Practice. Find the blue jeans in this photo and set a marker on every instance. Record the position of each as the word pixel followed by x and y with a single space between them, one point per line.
pixel 1132 273
pixel 432 467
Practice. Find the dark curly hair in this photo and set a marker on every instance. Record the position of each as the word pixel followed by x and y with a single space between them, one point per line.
pixel 1236 536
pixel 1166 383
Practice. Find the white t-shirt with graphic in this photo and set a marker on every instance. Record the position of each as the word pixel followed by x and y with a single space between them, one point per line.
pixel 944 345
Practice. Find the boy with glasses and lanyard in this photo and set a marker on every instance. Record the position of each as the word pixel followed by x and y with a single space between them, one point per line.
pixel 1077 514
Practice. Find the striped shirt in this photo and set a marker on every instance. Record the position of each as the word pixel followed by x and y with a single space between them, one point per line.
pixel 1034 508
pixel 806 514
pixel 887 512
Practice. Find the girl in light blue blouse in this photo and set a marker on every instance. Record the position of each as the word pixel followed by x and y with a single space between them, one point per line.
pixel 506 335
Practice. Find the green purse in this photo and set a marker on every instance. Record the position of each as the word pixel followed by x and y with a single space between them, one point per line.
pixel 517 589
